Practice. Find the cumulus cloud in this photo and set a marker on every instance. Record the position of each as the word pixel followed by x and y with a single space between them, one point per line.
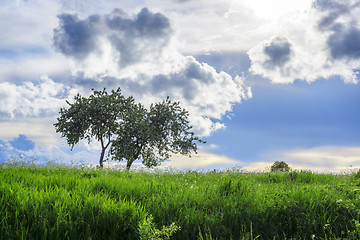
pixel 135 39
pixel 28 99
pixel 75 37
pixel 137 53
pixel 340 20
pixel 319 43
pixel 23 26
pixel 345 44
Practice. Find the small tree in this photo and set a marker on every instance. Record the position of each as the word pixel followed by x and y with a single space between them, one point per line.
pixel 130 130
pixel 154 134
pixel 96 117
pixel 280 166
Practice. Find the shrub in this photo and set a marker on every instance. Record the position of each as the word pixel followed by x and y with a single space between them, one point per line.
pixel 280 167
pixel 147 230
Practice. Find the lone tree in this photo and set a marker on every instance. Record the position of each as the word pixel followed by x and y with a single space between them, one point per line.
pixel 280 167
pixel 132 131
pixel 96 117
pixel 152 135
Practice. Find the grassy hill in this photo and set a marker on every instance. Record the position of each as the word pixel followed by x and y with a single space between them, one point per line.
pixel 71 203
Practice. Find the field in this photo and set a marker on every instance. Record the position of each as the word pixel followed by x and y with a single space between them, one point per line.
pixel 57 202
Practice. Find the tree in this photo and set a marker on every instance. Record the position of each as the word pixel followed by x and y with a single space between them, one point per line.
pixel 280 166
pixel 96 117
pixel 130 130
pixel 152 135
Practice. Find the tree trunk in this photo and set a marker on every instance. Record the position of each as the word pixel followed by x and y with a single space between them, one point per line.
pixel 136 156
pixel 128 165
pixel 103 148
pixel 102 157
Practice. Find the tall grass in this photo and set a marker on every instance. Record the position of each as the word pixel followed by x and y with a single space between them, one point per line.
pixel 69 203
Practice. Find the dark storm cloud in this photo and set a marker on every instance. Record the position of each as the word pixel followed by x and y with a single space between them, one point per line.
pixel 344 40
pixel 22 143
pixel 279 51
pixel 145 23
pixel 151 30
pixel 78 38
pixel 331 5
pixel 75 37
pixel 327 22
pixel 345 44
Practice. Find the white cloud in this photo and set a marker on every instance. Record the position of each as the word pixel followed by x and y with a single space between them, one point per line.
pixel 324 158
pixel 235 25
pixel 30 100
pixel 201 160
pixel 248 25
pixel 30 67
pixel 312 55
pixel 258 166
pixel 27 24
pixel 39 129
pixel 51 152
pixel 318 159
pixel 137 53
pixel 276 9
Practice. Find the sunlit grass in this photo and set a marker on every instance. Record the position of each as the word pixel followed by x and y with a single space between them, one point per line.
pixel 57 202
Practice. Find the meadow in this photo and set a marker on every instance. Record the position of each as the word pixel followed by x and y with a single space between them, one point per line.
pixel 58 202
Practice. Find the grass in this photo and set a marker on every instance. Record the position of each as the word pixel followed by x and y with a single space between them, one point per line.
pixel 55 202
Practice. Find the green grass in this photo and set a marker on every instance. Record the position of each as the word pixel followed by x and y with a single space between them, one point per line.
pixel 68 203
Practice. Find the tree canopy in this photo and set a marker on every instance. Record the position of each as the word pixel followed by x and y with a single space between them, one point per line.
pixel 280 166
pixel 130 130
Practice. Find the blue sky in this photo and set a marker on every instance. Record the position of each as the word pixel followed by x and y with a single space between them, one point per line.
pixel 262 82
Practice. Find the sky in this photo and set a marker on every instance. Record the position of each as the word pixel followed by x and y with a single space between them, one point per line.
pixel 263 81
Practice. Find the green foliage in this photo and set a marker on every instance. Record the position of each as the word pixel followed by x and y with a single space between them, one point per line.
pixel 131 130
pixel 280 166
pixel 148 230
pixel 95 117
pixel 69 203
pixel 153 134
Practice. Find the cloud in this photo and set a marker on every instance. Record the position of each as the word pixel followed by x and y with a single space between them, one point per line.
pixel 130 37
pixel 61 154
pixel 22 143
pixel 278 51
pixel 138 54
pixel 345 44
pixel 39 129
pixel 201 160
pixel 76 37
pixel 321 42
pixel 340 20
pixel 23 26
pixel 31 66
pixel 28 99
pixel 324 158
pixel 321 159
